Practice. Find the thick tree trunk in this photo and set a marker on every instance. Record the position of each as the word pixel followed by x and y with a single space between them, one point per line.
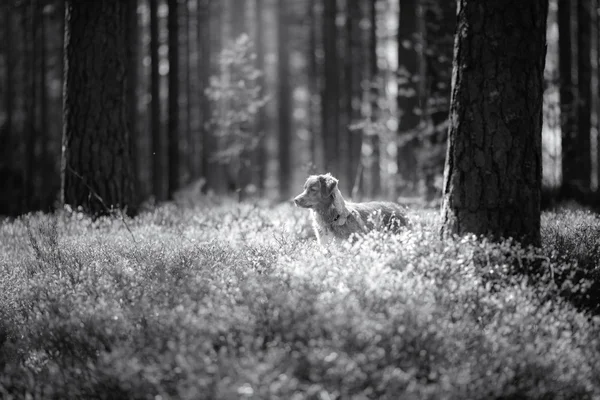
pixel 493 166
pixel 284 101
pixel 95 164
pixel 173 112
pixel 158 167
pixel 409 77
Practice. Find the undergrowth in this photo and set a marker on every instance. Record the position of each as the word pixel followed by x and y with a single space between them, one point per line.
pixel 237 301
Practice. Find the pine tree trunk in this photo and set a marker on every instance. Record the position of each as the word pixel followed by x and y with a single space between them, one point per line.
pixel 409 60
pixel 375 177
pixel 173 112
pixel 261 117
pixel 132 83
pixel 494 164
pixel 30 26
pixel 330 95
pixel 584 83
pixel 158 167
pixel 96 167
pixel 209 167
pixel 284 102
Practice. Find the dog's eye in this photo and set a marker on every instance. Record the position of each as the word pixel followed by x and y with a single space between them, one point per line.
pixel 313 189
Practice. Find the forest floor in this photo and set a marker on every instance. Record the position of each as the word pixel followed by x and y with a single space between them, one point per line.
pixel 228 301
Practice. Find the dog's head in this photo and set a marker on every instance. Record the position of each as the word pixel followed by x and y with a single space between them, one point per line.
pixel 318 190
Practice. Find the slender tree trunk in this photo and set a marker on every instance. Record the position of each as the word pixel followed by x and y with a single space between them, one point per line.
pixel 207 40
pixel 313 83
pixel 9 82
pixel 261 117
pixel 330 95
pixel 173 118
pixel 132 84
pixel 30 26
pixel 158 177
pixel 440 23
pixel 409 77
pixel 284 101
pixel 375 111
pixel 96 166
pixel 568 109
pixel 584 83
pixel 190 150
pixel 354 78
pixel 237 10
pixel 494 165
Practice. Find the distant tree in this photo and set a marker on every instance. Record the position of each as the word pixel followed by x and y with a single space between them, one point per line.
pixel 96 168
pixel 284 101
pixel 440 23
pixel 158 176
pixel 410 45
pixel 30 26
pixel 493 167
pixel 173 112
pixel 568 109
pixel 584 85
pixel 132 85
pixel 330 106
pixel 236 99
pixel 375 176
pixel 261 118
pixel 209 166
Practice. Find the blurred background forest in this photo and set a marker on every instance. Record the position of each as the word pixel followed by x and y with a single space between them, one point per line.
pixel 247 97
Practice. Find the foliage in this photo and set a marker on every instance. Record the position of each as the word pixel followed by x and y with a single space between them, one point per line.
pixel 230 301
pixel 236 97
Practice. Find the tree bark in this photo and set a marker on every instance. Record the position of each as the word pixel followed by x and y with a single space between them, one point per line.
pixel 584 84
pixel 493 167
pixel 409 77
pixel 261 151
pixel 95 167
pixel 158 177
pixel 284 101
pixel 30 25
pixel 132 84
pixel 330 109
pixel 375 111
pixel 173 112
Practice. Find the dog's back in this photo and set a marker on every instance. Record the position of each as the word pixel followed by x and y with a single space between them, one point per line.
pixel 380 214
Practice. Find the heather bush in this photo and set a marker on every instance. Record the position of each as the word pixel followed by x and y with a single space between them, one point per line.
pixel 220 300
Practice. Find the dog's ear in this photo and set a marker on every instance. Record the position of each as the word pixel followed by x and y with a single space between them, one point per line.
pixel 328 184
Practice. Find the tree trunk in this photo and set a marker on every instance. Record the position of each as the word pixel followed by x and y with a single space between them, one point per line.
pixel 30 26
pixel 284 101
pixel 158 177
pixel 440 23
pixel 173 112
pixel 132 83
pixel 189 85
pixel 493 167
pixel 375 176
pixel 584 83
pixel 209 167
pixel 330 109
pixel 409 77
pixel 261 117
pixel 355 76
pixel 96 167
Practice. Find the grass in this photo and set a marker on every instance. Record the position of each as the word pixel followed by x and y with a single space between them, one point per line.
pixel 231 301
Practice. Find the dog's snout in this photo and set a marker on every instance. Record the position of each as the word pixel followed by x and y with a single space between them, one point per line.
pixel 296 200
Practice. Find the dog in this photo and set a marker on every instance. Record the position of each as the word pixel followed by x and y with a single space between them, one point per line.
pixel 335 218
